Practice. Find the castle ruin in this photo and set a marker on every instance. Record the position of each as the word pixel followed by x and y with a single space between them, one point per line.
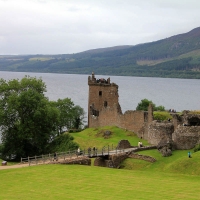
pixel 104 110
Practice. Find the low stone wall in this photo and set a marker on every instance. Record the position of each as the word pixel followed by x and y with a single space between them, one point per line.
pixel 79 161
pixel 142 157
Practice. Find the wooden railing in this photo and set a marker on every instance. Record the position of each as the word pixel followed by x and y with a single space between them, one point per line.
pixel 49 158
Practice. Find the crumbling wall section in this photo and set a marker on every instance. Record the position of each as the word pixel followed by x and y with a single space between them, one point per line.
pixel 186 137
pixel 142 157
pixel 158 131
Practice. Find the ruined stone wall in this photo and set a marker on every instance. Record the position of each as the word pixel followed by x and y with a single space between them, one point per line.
pixel 142 157
pixel 107 117
pixel 110 161
pixel 123 144
pixel 186 137
pixel 78 160
pixel 132 120
pixel 118 158
pixel 100 161
pixel 158 131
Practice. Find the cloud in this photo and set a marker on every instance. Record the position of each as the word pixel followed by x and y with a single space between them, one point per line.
pixel 65 26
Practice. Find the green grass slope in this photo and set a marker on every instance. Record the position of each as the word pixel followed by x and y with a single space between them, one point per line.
pixel 178 163
pixel 95 137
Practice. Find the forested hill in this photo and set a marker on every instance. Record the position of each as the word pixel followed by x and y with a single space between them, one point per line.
pixel 176 57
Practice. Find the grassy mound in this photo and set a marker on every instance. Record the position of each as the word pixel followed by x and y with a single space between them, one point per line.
pixel 95 137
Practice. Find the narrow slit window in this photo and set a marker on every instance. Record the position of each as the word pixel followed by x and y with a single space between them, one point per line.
pixel 105 103
pixel 100 93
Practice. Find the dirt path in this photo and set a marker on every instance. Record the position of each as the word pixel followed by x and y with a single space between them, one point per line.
pixel 13 166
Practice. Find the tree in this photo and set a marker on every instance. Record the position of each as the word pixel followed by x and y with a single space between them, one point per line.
pixel 62 143
pixel 65 114
pixel 144 104
pixel 27 119
pixel 69 116
pixel 78 117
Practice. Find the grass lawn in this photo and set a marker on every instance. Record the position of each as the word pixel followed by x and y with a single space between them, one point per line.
pixel 175 177
pixel 88 182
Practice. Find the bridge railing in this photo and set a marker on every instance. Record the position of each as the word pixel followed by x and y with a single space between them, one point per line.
pixel 42 159
pixel 47 158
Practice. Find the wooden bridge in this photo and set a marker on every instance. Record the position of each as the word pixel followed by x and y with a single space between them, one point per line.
pixel 72 155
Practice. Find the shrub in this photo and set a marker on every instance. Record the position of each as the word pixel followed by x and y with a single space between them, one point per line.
pixel 144 104
pixel 197 148
pixel 161 115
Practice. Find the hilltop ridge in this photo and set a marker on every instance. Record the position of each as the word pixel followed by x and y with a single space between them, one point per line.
pixel 177 56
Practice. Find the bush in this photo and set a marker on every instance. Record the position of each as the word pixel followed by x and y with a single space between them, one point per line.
pixel 159 108
pixel 144 104
pixel 161 115
pixel 197 148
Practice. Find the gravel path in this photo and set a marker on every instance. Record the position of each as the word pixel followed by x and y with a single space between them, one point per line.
pixel 13 166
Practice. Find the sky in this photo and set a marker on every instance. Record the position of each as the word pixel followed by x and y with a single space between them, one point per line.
pixel 72 26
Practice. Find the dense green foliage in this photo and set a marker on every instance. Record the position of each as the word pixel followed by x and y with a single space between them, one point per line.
pixel 144 104
pixel 62 143
pixel 174 57
pixel 29 122
pixel 69 115
pixel 197 148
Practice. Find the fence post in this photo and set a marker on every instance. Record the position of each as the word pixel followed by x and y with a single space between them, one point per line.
pixel 108 149
pixel 42 158
pixel 29 161
pixel 35 160
pixel 70 154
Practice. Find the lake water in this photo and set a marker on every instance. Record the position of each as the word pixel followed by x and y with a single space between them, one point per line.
pixel 178 94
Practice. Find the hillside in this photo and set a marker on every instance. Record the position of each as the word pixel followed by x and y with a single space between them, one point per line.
pixel 175 57
pixel 178 163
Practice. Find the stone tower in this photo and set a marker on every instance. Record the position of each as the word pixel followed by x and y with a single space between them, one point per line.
pixel 103 100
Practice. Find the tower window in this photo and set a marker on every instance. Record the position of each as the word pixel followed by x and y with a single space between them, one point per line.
pixel 100 93
pixel 105 103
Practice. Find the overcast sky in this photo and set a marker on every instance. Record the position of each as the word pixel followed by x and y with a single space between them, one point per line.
pixel 71 26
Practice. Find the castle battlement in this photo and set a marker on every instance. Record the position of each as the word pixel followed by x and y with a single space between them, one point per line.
pixel 93 81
